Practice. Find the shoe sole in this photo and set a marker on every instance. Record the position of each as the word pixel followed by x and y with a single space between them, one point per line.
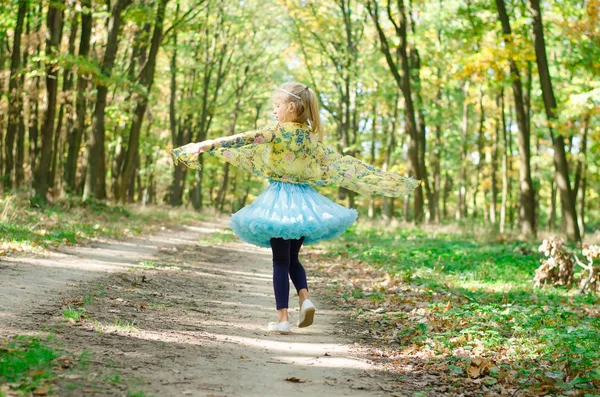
pixel 309 316
pixel 280 332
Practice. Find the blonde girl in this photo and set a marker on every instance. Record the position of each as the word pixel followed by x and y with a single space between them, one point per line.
pixel 290 212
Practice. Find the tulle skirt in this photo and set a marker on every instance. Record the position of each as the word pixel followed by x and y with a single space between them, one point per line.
pixel 291 211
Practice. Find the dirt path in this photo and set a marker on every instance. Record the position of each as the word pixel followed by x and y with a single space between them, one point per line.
pixel 190 321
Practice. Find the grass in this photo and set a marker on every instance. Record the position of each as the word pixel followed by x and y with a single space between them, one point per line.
pixel 28 227
pixel 124 325
pixel 75 313
pixel 156 265
pixel 26 364
pixel 225 236
pixel 472 296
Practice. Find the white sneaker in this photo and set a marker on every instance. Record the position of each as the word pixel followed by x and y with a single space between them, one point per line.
pixel 307 314
pixel 282 327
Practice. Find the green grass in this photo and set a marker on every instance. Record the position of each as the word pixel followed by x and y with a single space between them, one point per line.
pixel 136 393
pixel 124 325
pixel 26 363
pixel 26 226
pixel 74 313
pixel 156 265
pixel 550 334
pixel 225 236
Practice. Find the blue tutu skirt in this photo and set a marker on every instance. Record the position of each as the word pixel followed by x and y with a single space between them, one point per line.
pixel 291 211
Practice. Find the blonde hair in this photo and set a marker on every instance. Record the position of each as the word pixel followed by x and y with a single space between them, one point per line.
pixel 306 102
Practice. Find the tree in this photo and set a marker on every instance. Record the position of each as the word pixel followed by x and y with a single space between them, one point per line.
pixel 55 25
pixel 75 133
pixel 558 142
pixel 96 141
pixel 526 191
pixel 15 102
pixel 146 81
pixel 404 85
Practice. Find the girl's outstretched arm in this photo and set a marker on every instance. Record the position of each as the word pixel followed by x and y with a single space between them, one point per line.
pixel 188 154
pixel 262 135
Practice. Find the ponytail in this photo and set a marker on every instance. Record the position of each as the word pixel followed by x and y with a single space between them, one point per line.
pixel 314 115
pixel 307 105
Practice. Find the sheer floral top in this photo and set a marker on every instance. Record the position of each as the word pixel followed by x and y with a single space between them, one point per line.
pixel 290 152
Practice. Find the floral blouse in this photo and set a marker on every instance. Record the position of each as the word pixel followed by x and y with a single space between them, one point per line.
pixel 290 152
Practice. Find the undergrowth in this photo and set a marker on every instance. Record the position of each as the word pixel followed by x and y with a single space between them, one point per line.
pixel 467 303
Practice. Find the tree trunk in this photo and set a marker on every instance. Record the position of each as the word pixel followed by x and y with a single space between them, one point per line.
pixel 560 158
pixel 388 203
pixel 415 70
pixel 437 159
pixel 447 190
pixel 96 141
pixel 75 134
pixel 461 199
pixel 220 201
pixel 505 178
pixel 511 201
pixel 403 82
pixel 20 156
pixel 582 176
pixel 494 175
pixel 552 216
pixel 34 117
pixel 55 25
pixel 526 190
pixel 15 102
pixel 65 103
pixel 177 132
pixel 371 211
pixel 146 80
pixel 233 192
pixel 2 61
pixel 479 152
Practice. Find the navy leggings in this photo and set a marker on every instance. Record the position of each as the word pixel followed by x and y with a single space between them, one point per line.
pixel 285 261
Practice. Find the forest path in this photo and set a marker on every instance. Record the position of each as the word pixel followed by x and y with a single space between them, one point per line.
pixel 181 313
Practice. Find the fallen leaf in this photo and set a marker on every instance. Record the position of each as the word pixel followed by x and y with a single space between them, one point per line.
pixel 295 380
pixel 39 372
pixel 473 372
pixel 41 391
pixel 476 361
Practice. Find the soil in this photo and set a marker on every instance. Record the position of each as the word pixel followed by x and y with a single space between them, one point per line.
pixel 180 314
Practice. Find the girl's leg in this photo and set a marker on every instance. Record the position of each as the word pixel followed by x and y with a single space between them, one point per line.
pixel 281 282
pixel 297 272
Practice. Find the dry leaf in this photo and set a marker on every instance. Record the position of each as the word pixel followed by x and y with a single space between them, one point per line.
pixel 39 372
pixel 476 361
pixel 473 372
pixel 295 380
pixel 41 391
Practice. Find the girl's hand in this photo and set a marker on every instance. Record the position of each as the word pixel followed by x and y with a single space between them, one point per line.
pixel 201 147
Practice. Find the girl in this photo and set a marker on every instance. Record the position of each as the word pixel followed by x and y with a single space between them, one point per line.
pixel 290 212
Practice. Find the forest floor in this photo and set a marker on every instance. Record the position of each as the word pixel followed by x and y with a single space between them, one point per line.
pixel 180 312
